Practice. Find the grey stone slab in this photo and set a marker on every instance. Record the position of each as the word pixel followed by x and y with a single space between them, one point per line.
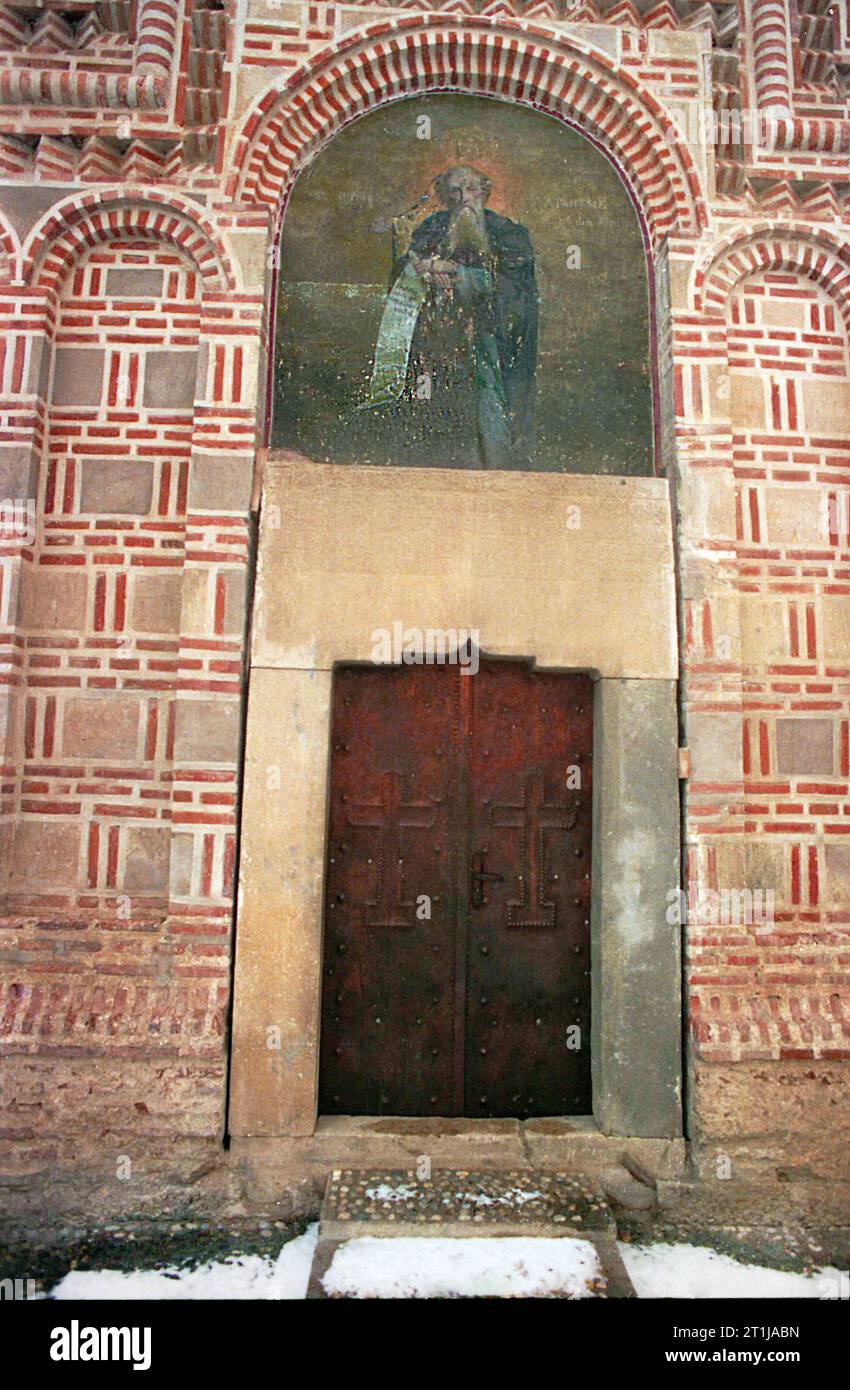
pixel 636 1041
pixel 804 747
pixel 134 282
pixel 170 378
pixel 322 1260
pixel 78 376
pixel 18 472
pixel 117 487
pixel 714 740
pixel 218 484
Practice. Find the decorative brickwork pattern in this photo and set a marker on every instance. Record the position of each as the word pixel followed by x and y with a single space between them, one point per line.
pixel 766 649
pixel 146 152
pixel 530 64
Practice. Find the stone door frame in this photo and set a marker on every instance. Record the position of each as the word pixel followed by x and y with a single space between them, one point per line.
pixel 316 609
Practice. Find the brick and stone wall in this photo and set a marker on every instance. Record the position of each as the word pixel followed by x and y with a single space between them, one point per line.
pixel 766 642
pixel 146 150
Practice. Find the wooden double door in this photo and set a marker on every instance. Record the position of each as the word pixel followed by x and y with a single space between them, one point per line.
pixel 456 967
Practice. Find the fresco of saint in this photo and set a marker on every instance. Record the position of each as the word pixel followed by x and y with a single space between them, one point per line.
pixel 457 345
pixel 463 284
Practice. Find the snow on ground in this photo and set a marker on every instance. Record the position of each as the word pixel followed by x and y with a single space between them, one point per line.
pixel 473 1266
pixel 384 1193
pixel 240 1276
pixel 693 1271
pixel 512 1196
pixel 434 1267
pixel 404 1192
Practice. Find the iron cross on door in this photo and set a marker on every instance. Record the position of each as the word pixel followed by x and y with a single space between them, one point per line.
pixel 456 969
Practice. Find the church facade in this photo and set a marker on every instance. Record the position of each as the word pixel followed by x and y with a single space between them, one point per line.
pixel 191 595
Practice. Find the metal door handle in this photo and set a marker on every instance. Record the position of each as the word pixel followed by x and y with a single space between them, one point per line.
pixel 480 877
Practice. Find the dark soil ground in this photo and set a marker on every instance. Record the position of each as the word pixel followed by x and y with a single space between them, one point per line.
pixel 188 1244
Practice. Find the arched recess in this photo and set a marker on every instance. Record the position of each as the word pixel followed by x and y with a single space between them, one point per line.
pixel 80 222
pixel 15 472
pixel 10 250
pixel 175 383
pixel 774 246
pixel 526 63
pixel 773 301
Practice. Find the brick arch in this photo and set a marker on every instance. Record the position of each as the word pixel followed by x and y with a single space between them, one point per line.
pixel 78 223
pixel 818 255
pixel 10 250
pixel 526 63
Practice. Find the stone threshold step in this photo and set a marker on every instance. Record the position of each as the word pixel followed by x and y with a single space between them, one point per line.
pixel 462 1203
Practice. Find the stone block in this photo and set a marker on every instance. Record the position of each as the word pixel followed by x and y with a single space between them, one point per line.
pixel 199 588
pixel 771 1114
pixel 795 515
pixel 182 852
pixel 827 407
pixel 707 504
pixel 126 1097
pixel 783 313
pixel 234 600
pixel 574 569
pixel 155 602
pixel 279 937
pixel 804 747
pixel 680 279
pixel 18 473
pixel 146 860
pixel 207 731
pixel 747 403
pixel 117 487
pixel 636 1042
pixel 764 637
pixel 170 379
pixel 835 623
pixel 220 484
pixel 717 380
pixel 45 856
pixel 251 249
pixel 78 376
pixel 7 839
pixel 38 377
pixel 744 863
pixel 196 600
pixel 666 44
pixel 837 887
pixel 53 599
pixel 619 1185
pixel 103 726
pixel 137 282
pixel 715 743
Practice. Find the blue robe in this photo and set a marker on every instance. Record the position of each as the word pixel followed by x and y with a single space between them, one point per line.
pixel 465 378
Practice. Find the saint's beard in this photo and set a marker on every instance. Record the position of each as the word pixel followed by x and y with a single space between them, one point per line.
pixel 468 232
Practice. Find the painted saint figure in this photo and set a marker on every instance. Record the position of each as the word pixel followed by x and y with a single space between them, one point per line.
pixel 457 343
